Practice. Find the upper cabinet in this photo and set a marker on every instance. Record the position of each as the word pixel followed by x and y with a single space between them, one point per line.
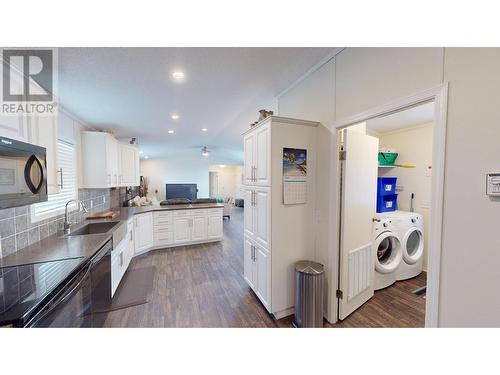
pixel 108 163
pixel 257 149
pixel 128 166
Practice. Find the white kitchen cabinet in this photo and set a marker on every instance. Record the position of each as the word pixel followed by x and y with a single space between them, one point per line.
pixel 262 216
pixel 249 266
pixel 257 214
pixel 257 270
pixel 182 229
pixel 263 279
pixel 128 165
pixel 277 234
pixel 99 160
pixel 214 229
pixel 262 156
pixel 249 211
pixel 199 228
pixel 249 151
pixel 257 150
pixel 143 232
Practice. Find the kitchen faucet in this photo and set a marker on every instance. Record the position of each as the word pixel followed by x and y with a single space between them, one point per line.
pixel 81 207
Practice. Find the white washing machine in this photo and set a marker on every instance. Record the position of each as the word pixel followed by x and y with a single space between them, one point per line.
pixel 387 247
pixel 411 231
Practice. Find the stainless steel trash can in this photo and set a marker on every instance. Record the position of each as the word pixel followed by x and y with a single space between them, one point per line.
pixel 309 285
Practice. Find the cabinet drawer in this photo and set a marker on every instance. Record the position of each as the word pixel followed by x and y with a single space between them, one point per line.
pixel 162 214
pixel 163 221
pixel 164 236
pixel 164 228
pixel 214 211
pixel 198 212
pixel 178 213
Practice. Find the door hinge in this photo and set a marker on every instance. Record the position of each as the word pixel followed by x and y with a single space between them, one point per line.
pixel 340 294
pixel 342 155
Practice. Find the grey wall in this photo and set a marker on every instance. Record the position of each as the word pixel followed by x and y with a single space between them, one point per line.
pixel 17 231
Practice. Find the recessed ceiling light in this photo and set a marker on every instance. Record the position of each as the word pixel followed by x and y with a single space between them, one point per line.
pixel 178 75
pixel 146 157
pixel 170 132
pixel 204 129
pixel 141 152
pixel 175 116
pixel 222 166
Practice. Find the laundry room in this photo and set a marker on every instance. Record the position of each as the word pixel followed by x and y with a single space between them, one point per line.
pixel 385 193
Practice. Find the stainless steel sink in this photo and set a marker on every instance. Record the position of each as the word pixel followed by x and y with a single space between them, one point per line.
pixel 93 228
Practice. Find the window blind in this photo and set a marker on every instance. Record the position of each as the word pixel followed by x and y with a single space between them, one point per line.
pixel 56 202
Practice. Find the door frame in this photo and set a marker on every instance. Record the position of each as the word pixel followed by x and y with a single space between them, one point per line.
pixel 439 95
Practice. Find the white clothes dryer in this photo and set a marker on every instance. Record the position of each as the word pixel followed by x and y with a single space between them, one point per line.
pixel 411 231
pixel 387 250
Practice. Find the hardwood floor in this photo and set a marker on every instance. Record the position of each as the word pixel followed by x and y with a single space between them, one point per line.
pixel 202 286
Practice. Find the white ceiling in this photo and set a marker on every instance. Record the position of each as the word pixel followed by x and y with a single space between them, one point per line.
pixel 131 92
pixel 414 116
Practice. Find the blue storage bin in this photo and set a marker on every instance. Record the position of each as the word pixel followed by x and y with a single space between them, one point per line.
pixel 387 203
pixel 386 186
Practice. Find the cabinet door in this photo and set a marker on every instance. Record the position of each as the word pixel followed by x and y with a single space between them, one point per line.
pixel 128 165
pixel 143 232
pixel 248 263
pixel 263 277
pixel 182 229
pixel 262 216
pixel 112 160
pixel 44 133
pixel 249 150
pixel 199 228
pixel 215 226
pixel 248 211
pixel 262 156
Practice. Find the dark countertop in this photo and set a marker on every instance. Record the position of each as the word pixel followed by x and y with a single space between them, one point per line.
pixel 58 247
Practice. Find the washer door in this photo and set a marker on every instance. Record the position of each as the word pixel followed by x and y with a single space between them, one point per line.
pixel 413 245
pixel 388 253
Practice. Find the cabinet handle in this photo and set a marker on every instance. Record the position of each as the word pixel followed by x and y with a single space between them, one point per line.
pixel 61 184
pixel 109 179
pixel 131 235
pixel 121 259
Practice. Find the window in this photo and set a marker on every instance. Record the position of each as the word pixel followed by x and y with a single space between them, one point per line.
pixel 56 202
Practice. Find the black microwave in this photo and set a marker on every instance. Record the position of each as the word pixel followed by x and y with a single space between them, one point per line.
pixel 23 173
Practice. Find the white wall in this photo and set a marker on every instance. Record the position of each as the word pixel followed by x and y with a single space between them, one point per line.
pixel 367 77
pixel 185 168
pixel 229 180
pixel 414 146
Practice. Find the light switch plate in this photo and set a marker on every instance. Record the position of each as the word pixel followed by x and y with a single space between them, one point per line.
pixel 493 184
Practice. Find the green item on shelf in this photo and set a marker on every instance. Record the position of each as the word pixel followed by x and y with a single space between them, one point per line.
pixel 387 158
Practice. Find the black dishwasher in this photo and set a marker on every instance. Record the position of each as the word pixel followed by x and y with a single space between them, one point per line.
pixel 83 300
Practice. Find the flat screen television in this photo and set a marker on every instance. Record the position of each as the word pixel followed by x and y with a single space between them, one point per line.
pixel 179 191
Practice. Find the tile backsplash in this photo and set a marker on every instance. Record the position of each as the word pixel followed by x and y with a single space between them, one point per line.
pixel 17 231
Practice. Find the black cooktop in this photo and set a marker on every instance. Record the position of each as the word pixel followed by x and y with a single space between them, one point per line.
pixel 24 287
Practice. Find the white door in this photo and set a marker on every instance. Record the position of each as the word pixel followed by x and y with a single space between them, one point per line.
pixel 199 228
pixel 182 229
pixel 249 148
pixel 143 232
pixel 358 206
pixel 263 266
pixel 262 156
pixel 262 212
pixel 248 263
pixel 214 226
pixel 248 211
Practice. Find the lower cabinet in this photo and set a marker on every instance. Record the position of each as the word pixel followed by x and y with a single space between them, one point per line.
pixel 143 232
pixel 121 256
pixel 214 227
pixel 182 229
pixel 257 270
pixel 199 228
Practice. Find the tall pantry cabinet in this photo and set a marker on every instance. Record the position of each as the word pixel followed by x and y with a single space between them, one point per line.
pixel 276 235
